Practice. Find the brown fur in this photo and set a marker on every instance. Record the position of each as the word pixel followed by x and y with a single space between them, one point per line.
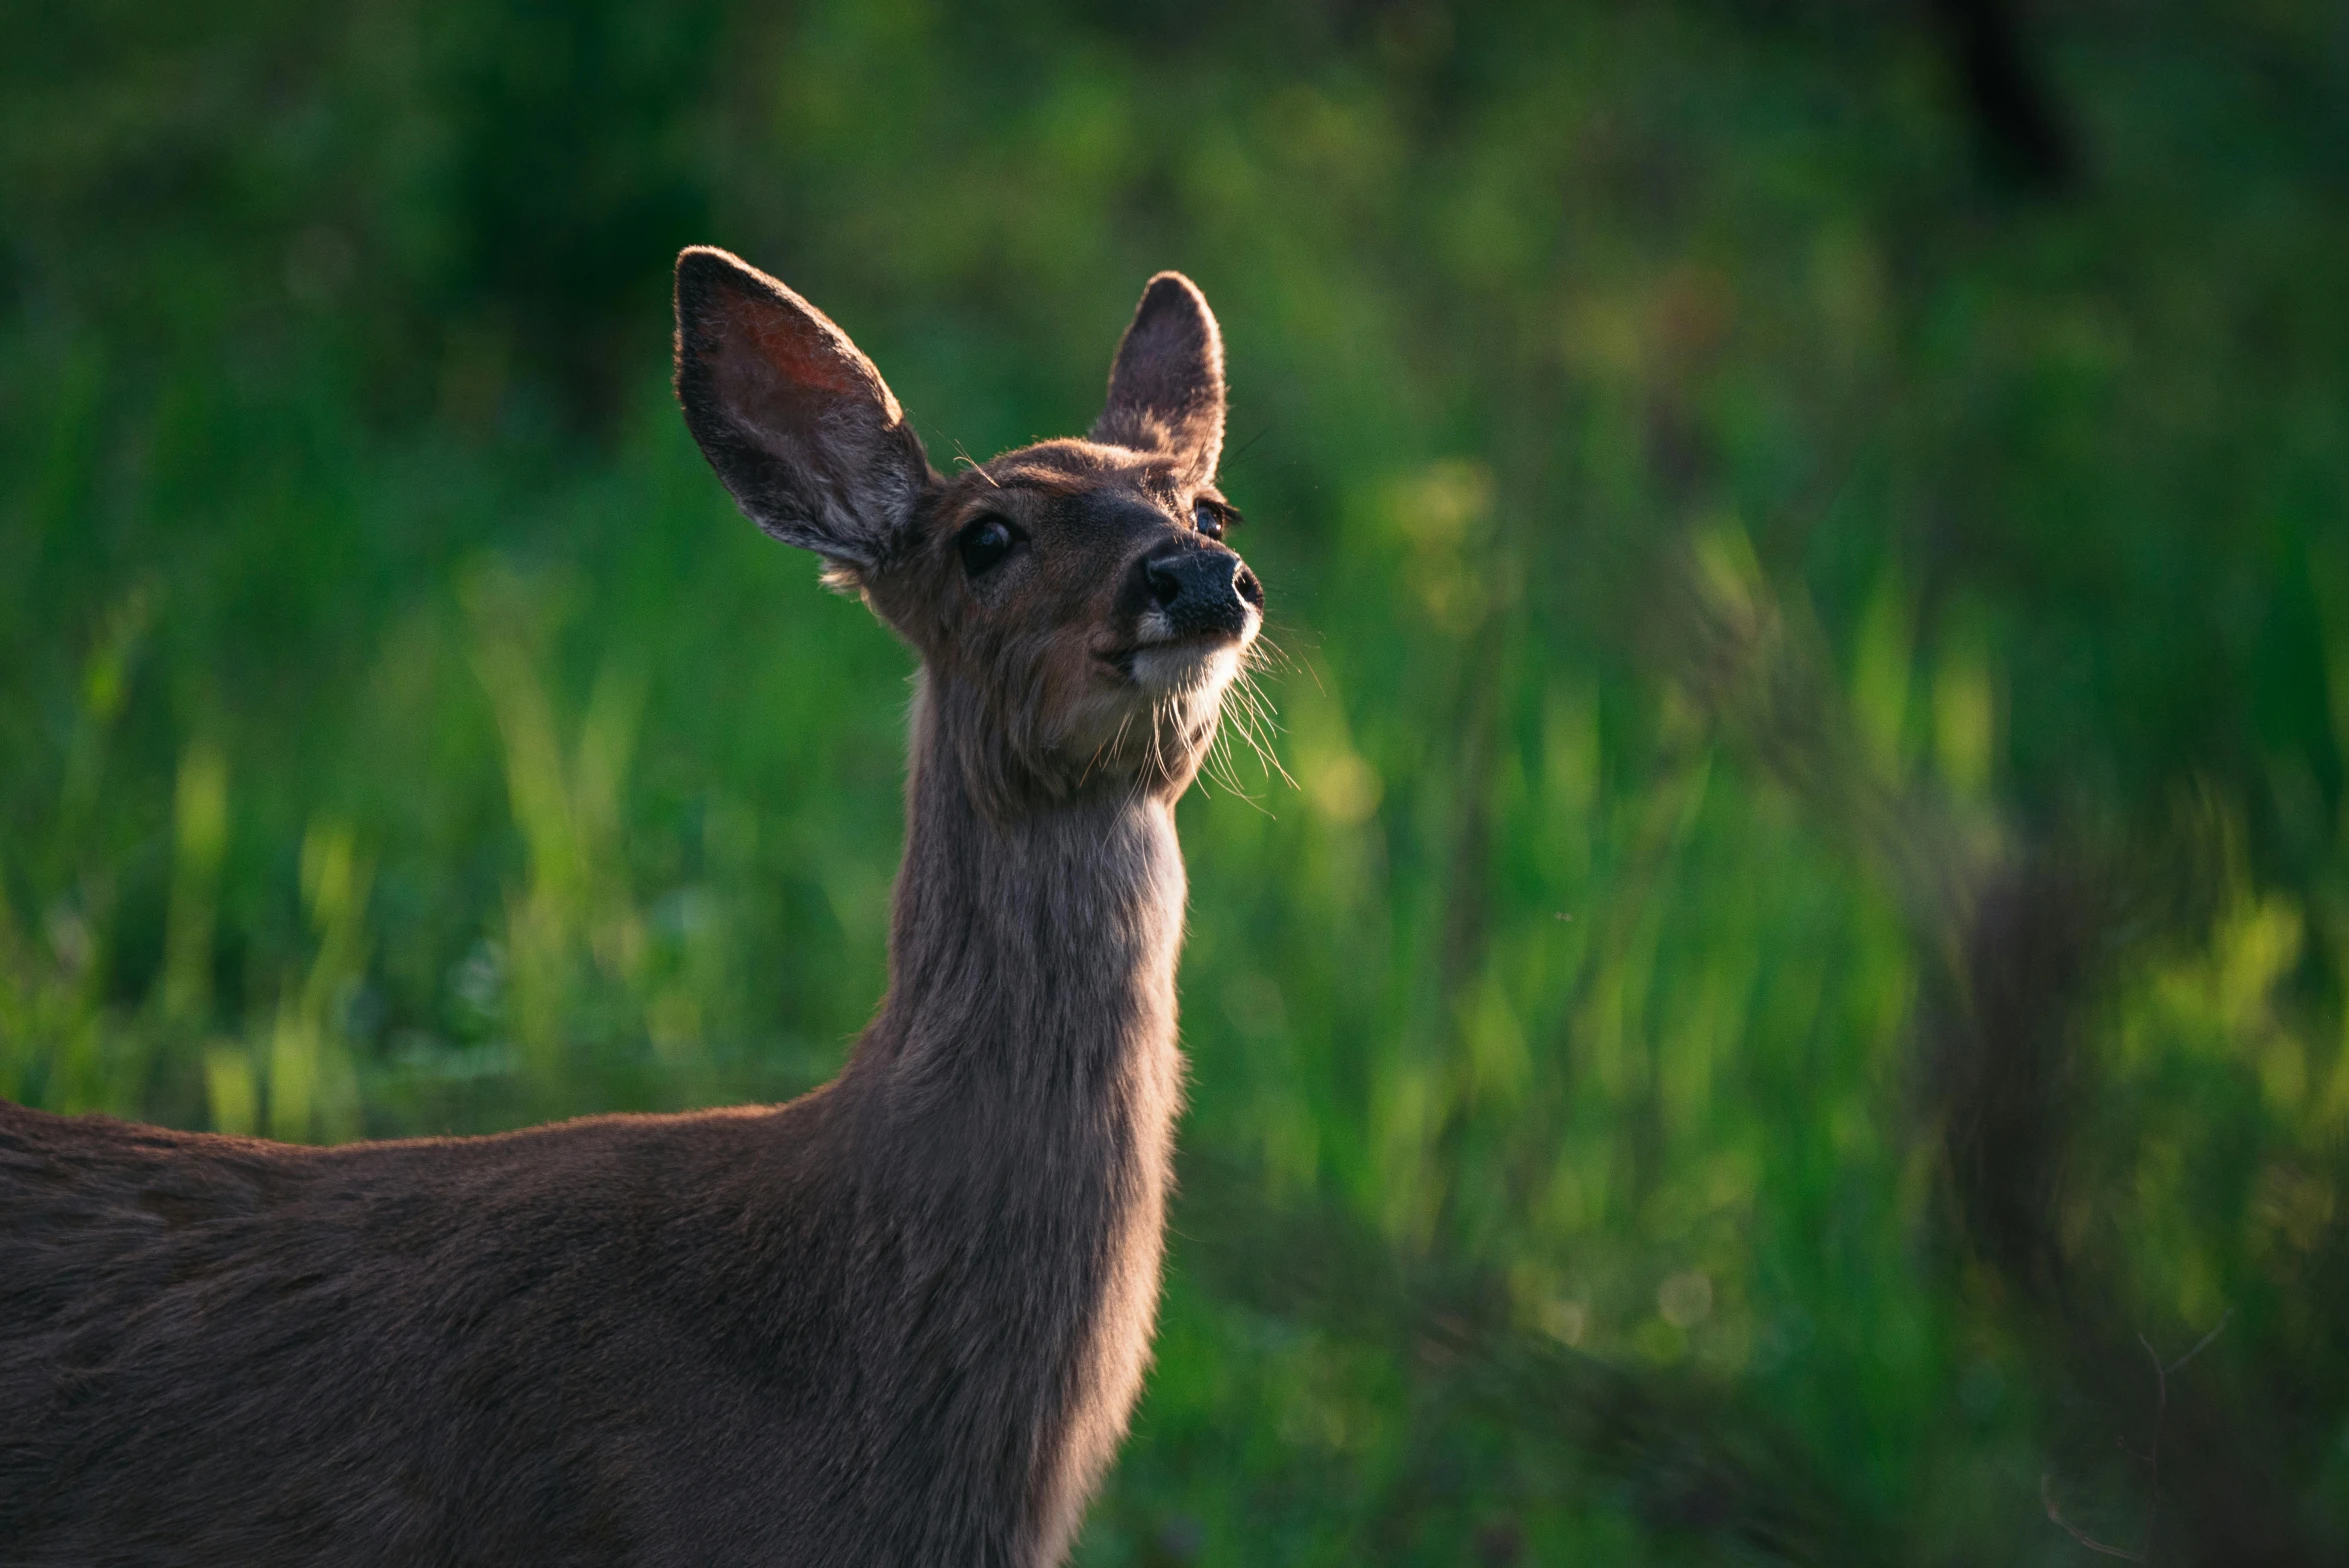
pixel 899 1321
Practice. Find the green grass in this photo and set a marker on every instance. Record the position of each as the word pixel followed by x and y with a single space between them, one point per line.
pixel 1730 555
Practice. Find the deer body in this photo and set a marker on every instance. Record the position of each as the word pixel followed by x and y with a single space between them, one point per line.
pixel 899 1321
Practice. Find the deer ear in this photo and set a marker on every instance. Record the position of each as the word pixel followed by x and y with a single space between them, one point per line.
pixel 1166 388
pixel 798 424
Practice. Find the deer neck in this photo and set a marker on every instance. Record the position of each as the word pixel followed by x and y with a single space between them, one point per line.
pixel 1032 960
pixel 1010 1115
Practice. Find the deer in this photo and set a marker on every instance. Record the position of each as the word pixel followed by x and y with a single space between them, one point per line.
pixel 903 1319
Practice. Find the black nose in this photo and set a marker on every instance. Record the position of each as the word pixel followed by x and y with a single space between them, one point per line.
pixel 1202 592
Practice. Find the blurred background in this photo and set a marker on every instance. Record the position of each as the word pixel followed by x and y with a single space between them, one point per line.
pixel 1794 1008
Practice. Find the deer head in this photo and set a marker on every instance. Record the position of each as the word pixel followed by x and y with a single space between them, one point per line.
pixel 1077 613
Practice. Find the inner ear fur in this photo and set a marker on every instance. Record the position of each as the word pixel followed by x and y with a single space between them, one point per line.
pixel 797 422
pixel 1166 390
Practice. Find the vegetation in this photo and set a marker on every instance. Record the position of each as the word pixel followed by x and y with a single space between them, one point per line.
pixel 1801 970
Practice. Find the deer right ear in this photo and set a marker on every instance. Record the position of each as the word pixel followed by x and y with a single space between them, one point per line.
pixel 796 421
pixel 1166 387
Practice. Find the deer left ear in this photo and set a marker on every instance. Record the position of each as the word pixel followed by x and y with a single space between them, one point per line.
pixel 795 420
pixel 1166 388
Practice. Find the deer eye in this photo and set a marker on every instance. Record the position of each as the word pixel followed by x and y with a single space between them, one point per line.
pixel 1207 520
pixel 984 544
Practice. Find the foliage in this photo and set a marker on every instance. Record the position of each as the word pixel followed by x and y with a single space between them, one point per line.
pixel 1812 910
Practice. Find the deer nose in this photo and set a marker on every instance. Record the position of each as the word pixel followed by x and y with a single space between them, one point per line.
pixel 1202 592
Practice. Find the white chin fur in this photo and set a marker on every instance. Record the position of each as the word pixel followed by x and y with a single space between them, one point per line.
pixel 1178 685
pixel 1189 670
